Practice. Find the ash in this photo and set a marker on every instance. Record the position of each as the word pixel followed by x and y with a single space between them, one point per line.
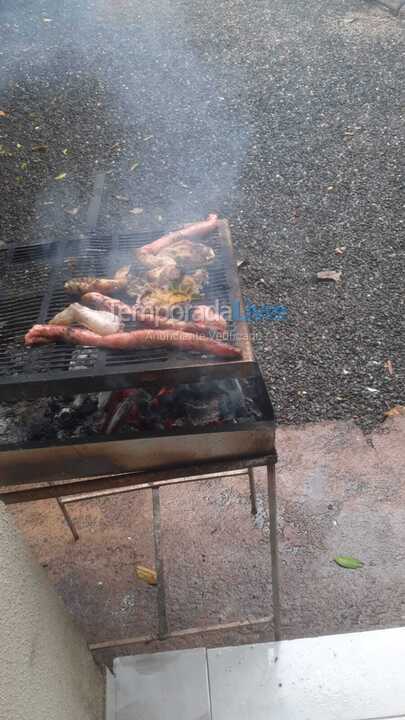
pixel 134 410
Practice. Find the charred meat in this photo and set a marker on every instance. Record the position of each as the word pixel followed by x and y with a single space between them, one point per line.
pixel 137 339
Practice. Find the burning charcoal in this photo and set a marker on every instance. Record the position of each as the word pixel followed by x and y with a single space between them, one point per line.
pixel 54 406
pixel 232 402
pixel 120 414
pixel 43 429
pixel 66 418
pixel 88 405
pixel 78 401
pixel 203 413
pixel 103 399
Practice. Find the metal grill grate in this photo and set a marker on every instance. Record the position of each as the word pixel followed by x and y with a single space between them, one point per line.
pixel 32 291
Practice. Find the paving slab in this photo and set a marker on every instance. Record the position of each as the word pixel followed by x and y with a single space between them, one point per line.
pixel 173 686
pixel 357 676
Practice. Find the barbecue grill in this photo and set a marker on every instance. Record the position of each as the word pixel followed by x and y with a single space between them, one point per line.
pixel 74 468
pixel 34 292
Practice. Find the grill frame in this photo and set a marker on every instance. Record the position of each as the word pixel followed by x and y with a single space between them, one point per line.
pixel 109 370
pixel 103 455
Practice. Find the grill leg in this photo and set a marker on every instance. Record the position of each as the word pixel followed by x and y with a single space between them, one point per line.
pixel 252 488
pixel 68 519
pixel 275 578
pixel 161 592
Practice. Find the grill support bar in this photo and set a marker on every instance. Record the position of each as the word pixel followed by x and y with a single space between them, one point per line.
pixel 161 593
pixel 68 492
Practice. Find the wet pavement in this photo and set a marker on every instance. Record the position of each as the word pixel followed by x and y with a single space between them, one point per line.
pixel 288 119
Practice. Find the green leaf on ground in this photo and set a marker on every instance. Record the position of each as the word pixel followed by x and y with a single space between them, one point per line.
pixel 61 176
pixel 134 166
pixel 347 562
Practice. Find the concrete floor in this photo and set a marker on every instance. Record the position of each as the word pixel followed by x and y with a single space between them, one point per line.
pixel 341 493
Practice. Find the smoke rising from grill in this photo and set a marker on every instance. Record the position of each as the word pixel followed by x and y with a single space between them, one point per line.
pixel 121 86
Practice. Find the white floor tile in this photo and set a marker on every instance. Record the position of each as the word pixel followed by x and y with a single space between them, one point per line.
pixel 164 686
pixel 355 676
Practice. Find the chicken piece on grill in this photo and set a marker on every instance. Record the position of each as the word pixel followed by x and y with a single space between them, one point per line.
pixel 188 255
pixel 185 255
pixel 164 275
pixel 191 285
pixel 190 232
pixel 79 286
pixel 99 321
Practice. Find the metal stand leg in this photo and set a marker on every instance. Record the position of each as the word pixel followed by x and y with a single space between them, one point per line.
pixel 68 519
pixel 161 593
pixel 252 487
pixel 275 578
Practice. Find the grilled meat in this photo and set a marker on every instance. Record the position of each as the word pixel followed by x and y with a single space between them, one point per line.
pixel 100 322
pixel 205 320
pixel 79 286
pixel 188 255
pixel 164 275
pixel 206 315
pixel 137 339
pixel 189 232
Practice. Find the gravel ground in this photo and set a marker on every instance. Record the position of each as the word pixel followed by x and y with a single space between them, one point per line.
pixel 286 117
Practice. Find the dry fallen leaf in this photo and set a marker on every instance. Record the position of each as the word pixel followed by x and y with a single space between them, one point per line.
pixel 330 275
pixel 340 250
pixel 389 366
pixel 3 113
pixel 61 176
pixel 72 211
pixel 5 152
pixel 136 211
pixel 146 574
pixel 395 411
pixel 124 198
pixel 39 148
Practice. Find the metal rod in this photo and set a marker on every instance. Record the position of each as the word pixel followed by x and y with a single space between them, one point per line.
pixel 161 593
pixel 68 519
pixel 93 210
pixel 252 488
pixel 145 486
pixel 130 479
pixel 105 645
pixel 275 577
